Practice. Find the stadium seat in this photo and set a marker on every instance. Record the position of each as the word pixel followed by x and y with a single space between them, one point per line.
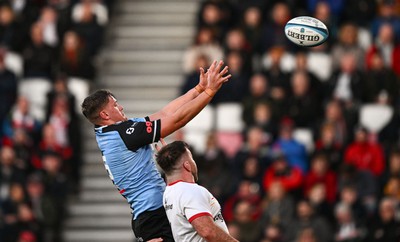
pixel 287 62
pixel 35 90
pixel 305 137
pixel 364 38
pixel 229 117
pixel 197 130
pixel 375 117
pixel 80 88
pixel 14 63
pixel 320 64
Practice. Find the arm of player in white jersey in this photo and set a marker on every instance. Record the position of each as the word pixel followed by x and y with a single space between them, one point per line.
pixel 207 229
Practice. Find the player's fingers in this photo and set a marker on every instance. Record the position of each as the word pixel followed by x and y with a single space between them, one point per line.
pixel 201 71
pixel 157 147
pixel 219 66
pixel 224 71
pixel 226 78
pixel 212 67
pixel 155 240
pixel 163 142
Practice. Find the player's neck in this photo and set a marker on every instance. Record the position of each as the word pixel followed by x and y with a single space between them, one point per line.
pixel 180 177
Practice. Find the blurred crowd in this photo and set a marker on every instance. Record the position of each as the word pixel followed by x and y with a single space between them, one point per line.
pixel 343 184
pixel 53 41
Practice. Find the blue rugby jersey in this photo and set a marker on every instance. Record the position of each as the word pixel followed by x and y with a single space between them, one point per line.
pixel 128 159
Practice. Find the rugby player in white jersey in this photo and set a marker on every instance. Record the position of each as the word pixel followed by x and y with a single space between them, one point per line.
pixel 193 212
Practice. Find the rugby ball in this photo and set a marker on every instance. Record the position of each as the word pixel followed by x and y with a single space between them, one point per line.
pixel 306 31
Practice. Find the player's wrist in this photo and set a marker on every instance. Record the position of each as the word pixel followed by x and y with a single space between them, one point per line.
pixel 199 88
pixel 210 92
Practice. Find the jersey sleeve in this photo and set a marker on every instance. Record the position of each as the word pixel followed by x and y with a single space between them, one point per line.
pixel 137 133
pixel 196 204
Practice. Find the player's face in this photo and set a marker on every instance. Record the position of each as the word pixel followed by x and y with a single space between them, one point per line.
pixel 114 110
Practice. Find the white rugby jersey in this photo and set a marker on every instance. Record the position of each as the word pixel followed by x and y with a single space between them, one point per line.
pixel 184 202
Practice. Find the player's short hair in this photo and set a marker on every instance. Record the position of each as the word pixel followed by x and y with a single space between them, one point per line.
pixel 92 104
pixel 169 155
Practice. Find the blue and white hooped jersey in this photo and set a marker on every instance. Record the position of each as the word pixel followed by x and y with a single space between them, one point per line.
pixel 128 159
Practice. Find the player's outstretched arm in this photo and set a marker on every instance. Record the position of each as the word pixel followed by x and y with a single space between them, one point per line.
pixel 187 111
pixel 206 228
pixel 179 101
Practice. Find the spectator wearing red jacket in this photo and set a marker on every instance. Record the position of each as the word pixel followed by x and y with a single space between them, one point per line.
pixel 280 171
pixel 365 155
pixel 321 174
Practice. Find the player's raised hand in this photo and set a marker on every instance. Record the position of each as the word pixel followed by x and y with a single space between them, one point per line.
pixel 216 77
pixel 203 79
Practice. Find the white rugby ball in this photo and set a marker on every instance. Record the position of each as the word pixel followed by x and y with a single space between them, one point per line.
pixel 306 31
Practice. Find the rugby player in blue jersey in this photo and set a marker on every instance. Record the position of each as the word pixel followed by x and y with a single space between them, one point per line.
pixel 127 154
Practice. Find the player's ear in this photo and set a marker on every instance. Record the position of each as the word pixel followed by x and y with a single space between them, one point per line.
pixel 104 115
pixel 187 166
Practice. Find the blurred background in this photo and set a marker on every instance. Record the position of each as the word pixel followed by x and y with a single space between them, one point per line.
pixel 301 145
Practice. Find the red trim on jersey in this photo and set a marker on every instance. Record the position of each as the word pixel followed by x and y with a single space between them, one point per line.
pixel 122 191
pixel 198 215
pixel 172 183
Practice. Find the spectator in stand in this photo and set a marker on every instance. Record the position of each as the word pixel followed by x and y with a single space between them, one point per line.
pixel 302 103
pixel 75 60
pixel 321 174
pixel 249 229
pixel 294 151
pixel 48 22
pixel 55 185
pixel 345 83
pixel 385 45
pixel 360 12
pixel 10 29
pixel 215 170
pixel 21 118
pixel 278 207
pixel 317 199
pixel 43 208
pixel 50 143
pixel 9 207
pixel 365 155
pixel 258 92
pixel 249 192
pixel 386 15
pixel 330 148
pixel 307 219
pixel 280 171
pixel 23 147
pixel 350 197
pixel 210 15
pixel 38 56
pixel 252 28
pixel 277 78
pixel 381 83
pixel 273 233
pixel 236 41
pixel 205 44
pixel 385 227
pixel 254 147
pixel 8 89
pixel 27 221
pixel 393 168
pixel 263 118
pixel 273 32
pixel 89 19
pixel 358 187
pixel 347 227
pixel 9 171
pixel 236 89
pixel 348 44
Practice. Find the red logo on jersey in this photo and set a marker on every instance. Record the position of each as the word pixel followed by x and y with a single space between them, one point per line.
pixel 149 128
